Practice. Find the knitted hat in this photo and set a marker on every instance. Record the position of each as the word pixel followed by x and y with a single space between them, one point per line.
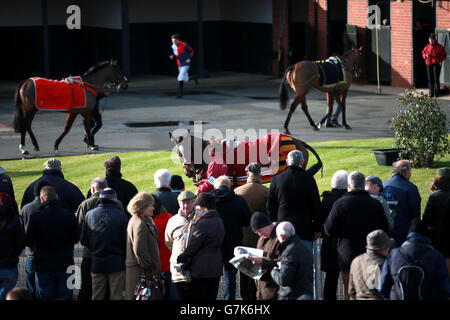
pixel 259 220
pixel 375 180
pixel 108 193
pixel 52 164
pixel 378 240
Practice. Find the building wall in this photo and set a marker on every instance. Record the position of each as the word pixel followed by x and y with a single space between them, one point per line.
pixel 443 15
pixel 322 29
pixel 401 40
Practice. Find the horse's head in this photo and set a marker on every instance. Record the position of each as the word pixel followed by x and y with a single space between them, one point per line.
pixel 352 60
pixel 184 147
pixel 114 75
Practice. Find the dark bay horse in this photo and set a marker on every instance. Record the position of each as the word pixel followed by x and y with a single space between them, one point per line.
pixel 97 77
pixel 304 75
pixel 192 151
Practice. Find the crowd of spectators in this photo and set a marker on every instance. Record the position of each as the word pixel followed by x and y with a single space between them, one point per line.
pixel 370 231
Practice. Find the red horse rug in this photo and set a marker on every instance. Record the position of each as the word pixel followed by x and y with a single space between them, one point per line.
pixel 57 95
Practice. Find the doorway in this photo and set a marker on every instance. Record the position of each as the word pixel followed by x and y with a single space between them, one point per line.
pixel 424 23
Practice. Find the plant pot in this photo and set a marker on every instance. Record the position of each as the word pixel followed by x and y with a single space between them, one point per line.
pixel 385 157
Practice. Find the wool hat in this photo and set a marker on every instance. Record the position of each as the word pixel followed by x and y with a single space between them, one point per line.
pixel 254 168
pixel 52 164
pixel 186 195
pixel 375 180
pixel 207 200
pixel 378 240
pixel 259 220
pixel 108 193
pixel 443 172
pixel 176 182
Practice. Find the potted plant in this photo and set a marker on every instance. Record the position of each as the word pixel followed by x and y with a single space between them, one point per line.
pixel 420 129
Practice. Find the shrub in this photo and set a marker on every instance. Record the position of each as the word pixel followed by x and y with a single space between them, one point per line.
pixel 420 129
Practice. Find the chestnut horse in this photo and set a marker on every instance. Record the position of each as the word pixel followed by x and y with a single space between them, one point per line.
pixel 97 77
pixel 304 75
pixel 195 166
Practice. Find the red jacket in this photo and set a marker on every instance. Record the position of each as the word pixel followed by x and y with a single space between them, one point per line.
pixel 434 54
pixel 215 170
pixel 164 253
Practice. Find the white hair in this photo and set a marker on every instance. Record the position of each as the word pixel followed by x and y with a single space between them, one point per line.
pixel 222 181
pixel 162 178
pixel 294 158
pixel 356 180
pixel 285 229
pixel 339 180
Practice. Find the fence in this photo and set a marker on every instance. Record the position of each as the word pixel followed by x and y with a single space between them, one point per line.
pixel 319 276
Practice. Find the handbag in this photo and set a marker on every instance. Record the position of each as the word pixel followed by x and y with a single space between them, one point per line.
pixel 150 288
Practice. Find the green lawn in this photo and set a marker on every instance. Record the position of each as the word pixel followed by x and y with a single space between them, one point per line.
pixel 139 167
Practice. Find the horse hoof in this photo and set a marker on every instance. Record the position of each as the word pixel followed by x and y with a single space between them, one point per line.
pixel 93 148
pixel 318 125
pixel 315 128
pixel 25 153
pixel 36 149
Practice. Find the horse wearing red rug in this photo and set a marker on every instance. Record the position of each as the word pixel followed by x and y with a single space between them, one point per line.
pixel 74 95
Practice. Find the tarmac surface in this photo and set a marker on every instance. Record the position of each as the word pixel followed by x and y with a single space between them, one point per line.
pixel 222 101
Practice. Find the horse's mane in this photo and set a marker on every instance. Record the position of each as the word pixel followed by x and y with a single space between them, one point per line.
pixel 96 68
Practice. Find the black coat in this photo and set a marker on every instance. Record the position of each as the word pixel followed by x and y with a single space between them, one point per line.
pixel 104 233
pixel 328 252
pixel 235 214
pixel 294 197
pixel 295 276
pixel 25 215
pixel 352 217
pixel 436 215
pixel 12 240
pixel 69 195
pixel 53 232
pixel 125 190
pixel 203 251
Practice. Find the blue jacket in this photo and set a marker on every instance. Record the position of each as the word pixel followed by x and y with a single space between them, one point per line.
pixel 52 232
pixel 104 233
pixel 436 284
pixel 403 197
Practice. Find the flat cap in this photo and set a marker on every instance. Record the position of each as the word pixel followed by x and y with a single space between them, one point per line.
pixel 376 180
pixel 52 164
pixel 186 195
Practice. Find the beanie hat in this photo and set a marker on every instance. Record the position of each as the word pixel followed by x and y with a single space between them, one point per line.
pixel 52 164
pixel 259 220
pixel 108 193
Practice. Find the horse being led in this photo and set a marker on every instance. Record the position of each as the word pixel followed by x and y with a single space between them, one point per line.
pixel 270 151
pixel 74 95
pixel 305 75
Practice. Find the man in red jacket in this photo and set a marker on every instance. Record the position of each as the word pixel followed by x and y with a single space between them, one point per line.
pixel 433 54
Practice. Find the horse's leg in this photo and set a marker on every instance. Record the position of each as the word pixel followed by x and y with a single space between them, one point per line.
pixel 28 120
pixel 344 120
pixel 22 147
pixel 327 117
pixel 294 105
pixel 87 130
pixel 69 121
pixel 305 110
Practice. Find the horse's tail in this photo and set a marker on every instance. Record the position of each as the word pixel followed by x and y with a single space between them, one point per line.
pixel 18 116
pixel 313 170
pixel 283 91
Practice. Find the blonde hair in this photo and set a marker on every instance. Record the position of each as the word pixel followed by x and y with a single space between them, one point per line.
pixel 222 181
pixel 139 202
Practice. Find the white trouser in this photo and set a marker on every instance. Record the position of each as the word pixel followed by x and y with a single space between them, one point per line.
pixel 183 73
